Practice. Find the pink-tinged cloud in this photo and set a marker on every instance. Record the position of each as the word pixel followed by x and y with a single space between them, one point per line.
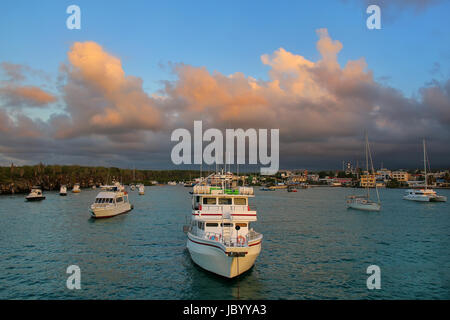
pixel 31 96
pixel 100 97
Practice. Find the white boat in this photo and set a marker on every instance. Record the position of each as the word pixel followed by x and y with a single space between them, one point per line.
pixel 76 188
pixel 110 202
pixel 132 187
pixel 94 187
pixel 424 194
pixel 141 190
pixel 172 183
pixel 35 194
pixel 363 202
pixel 220 237
pixel 63 190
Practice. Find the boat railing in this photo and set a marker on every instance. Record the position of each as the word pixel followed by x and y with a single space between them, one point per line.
pixel 226 208
pixel 230 241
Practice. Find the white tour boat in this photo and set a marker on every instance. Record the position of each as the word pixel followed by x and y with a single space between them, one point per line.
pixel 110 202
pixel 220 238
pixel 35 194
pixel 63 190
pixel 425 194
pixel 363 202
pixel 141 189
pixel 76 188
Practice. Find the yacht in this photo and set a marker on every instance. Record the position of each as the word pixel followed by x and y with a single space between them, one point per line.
pixel 110 202
pixel 132 187
pixel 172 183
pixel 363 202
pixel 35 194
pixel 76 188
pixel 141 189
pixel 424 194
pixel 63 190
pixel 220 238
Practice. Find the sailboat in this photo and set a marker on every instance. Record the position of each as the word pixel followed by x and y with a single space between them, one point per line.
pixel 363 202
pixel 424 195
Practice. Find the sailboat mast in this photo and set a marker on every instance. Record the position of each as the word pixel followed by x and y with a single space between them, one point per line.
pixel 425 164
pixel 367 165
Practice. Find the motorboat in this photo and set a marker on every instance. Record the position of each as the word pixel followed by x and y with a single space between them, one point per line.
pixel 76 188
pixel 110 202
pixel 35 194
pixel 63 190
pixel 220 237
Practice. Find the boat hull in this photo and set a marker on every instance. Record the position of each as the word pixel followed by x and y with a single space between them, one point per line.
pixel 99 213
pixel 35 198
pixel 212 257
pixel 365 207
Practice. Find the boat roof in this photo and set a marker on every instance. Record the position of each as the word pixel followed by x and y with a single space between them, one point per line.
pixel 106 194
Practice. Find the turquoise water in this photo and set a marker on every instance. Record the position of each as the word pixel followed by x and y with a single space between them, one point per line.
pixel 313 248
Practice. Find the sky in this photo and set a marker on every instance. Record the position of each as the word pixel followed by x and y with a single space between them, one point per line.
pixel 112 92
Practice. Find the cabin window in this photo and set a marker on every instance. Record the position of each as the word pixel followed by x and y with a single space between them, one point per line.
pixel 120 199
pixel 201 225
pixel 212 224
pixel 209 200
pixel 240 201
pixel 111 201
pixel 225 201
pixel 226 224
pixel 242 225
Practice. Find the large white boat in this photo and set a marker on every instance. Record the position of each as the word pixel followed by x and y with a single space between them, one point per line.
pixel 220 237
pixel 110 202
pixel 63 190
pixel 424 194
pixel 363 202
pixel 76 188
pixel 35 194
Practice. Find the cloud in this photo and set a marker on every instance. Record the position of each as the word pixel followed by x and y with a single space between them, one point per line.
pixel 320 107
pixel 25 96
pixel 100 97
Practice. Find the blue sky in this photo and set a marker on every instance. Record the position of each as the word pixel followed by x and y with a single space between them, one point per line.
pixel 227 36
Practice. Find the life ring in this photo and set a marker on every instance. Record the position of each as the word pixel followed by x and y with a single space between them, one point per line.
pixel 241 240
pixel 214 237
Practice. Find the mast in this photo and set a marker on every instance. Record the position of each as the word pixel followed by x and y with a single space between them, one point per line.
pixel 367 165
pixel 425 164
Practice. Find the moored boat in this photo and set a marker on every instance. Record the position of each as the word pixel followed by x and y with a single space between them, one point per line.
pixel 110 202
pixel 363 202
pixel 141 189
pixel 76 188
pixel 63 190
pixel 220 237
pixel 424 194
pixel 35 194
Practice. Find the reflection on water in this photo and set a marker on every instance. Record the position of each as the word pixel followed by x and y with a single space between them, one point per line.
pixel 313 248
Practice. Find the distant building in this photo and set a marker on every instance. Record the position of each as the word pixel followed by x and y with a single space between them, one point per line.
pixel 384 174
pixel 313 177
pixel 368 180
pixel 401 176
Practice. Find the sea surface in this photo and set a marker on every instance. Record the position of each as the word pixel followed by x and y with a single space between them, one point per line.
pixel 313 248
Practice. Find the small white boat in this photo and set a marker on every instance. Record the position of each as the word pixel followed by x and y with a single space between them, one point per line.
pixel 172 183
pixel 220 238
pixel 363 202
pixel 63 190
pixel 76 188
pixel 141 190
pixel 35 194
pixel 132 187
pixel 425 194
pixel 110 202
pixel 94 187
